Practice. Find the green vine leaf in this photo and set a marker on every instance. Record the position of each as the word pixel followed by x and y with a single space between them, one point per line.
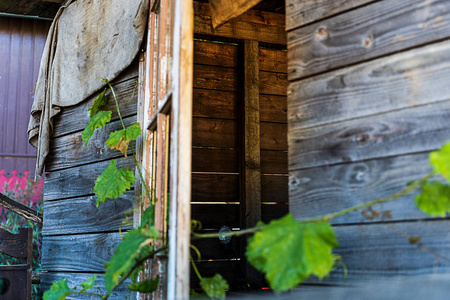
pixel 135 243
pixel 288 252
pixel 215 287
pixel 148 216
pixel 113 182
pixel 121 139
pixel 98 104
pixel 58 291
pixel 88 283
pixel 440 161
pixel 434 199
pixel 98 121
pixel 146 286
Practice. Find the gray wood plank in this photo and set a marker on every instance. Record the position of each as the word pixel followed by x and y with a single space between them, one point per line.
pixel 69 150
pixel 80 215
pixel 78 253
pixel 402 80
pixel 380 251
pixel 301 12
pixel 373 30
pixel 412 130
pixel 77 181
pixel 74 279
pixel 327 189
pixel 75 118
pixel 395 288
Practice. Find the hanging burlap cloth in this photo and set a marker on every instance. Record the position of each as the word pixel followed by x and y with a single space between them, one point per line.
pixel 88 40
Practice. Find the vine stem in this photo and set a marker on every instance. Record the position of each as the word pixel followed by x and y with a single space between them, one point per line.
pixel 195 268
pixel 147 192
pixel 137 263
pixel 409 189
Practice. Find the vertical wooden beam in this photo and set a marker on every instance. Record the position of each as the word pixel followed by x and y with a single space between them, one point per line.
pixel 181 150
pixel 160 207
pixel 160 261
pixel 138 190
pixel 151 68
pixel 163 44
pixel 147 76
pixel 251 160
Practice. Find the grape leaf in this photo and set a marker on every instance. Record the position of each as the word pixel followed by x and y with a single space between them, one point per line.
pixel 146 286
pixel 88 283
pixel 215 287
pixel 58 291
pixel 121 139
pixel 98 104
pixel 440 161
pixel 288 252
pixel 125 255
pixel 98 121
pixel 434 199
pixel 113 182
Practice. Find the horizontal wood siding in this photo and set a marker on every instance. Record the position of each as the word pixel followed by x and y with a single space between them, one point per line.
pixel 121 293
pixel 368 99
pixel 378 29
pixel 78 238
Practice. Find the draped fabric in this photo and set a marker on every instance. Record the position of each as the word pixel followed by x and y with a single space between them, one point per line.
pixel 224 10
pixel 89 40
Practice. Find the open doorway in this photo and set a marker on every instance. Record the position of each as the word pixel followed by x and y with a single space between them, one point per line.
pixel 239 134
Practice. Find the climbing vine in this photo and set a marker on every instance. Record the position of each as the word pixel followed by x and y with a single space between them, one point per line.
pixel 286 251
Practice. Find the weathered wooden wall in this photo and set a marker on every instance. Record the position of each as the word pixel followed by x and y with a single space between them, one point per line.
pixel 368 99
pixel 218 125
pixel 21 46
pixel 78 238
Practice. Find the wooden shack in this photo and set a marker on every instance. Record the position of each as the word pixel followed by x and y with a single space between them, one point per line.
pixel 237 130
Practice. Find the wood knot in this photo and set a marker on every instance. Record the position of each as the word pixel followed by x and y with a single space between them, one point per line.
pixel 363 138
pixel 322 33
pixel 368 42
